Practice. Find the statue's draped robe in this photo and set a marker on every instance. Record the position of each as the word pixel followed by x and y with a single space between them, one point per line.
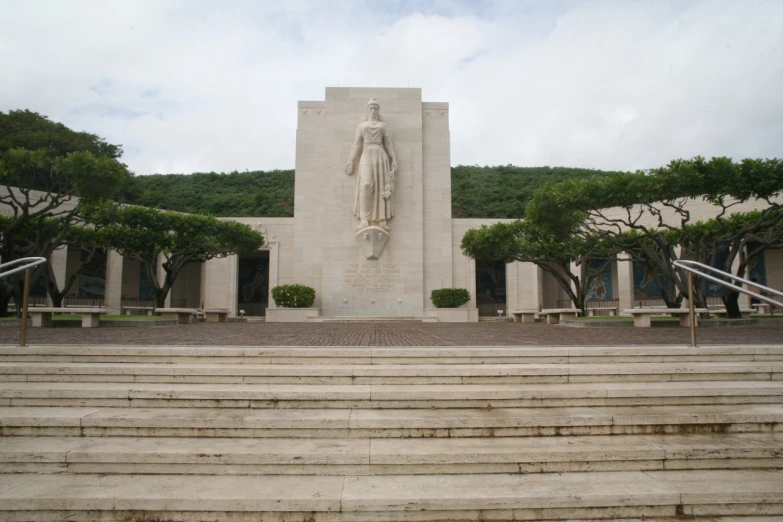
pixel 374 167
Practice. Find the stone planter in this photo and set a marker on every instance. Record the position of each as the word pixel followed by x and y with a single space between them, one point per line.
pixel 453 315
pixel 291 315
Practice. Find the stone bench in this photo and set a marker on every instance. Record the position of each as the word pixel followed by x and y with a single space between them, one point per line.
pixel 182 315
pixel 42 315
pixel 525 316
pixel 765 309
pixel 641 316
pixel 216 315
pixel 555 315
pixel 613 310
pixel 721 312
pixel 145 310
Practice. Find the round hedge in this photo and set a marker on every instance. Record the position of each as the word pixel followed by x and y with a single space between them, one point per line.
pixel 293 296
pixel 449 297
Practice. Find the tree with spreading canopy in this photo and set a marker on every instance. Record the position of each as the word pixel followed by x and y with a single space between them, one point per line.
pixel 144 234
pixel 48 173
pixel 45 235
pixel 648 214
pixel 524 242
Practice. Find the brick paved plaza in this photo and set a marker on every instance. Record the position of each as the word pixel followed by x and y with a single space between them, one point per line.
pixel 394 334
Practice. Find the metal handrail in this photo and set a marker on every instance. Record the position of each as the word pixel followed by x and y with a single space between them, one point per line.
pixel 33 261
pixel 686 265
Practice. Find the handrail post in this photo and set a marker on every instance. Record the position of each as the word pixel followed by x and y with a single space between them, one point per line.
pixel 691 308
pixel 25 302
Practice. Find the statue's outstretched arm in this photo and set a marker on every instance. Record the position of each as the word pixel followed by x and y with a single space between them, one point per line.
pixel 355 151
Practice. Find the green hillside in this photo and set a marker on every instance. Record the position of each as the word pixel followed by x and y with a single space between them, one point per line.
pixel 477 192
pixel 503 191
pixel 237 194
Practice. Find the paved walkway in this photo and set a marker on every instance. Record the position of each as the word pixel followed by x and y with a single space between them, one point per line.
pixel 394 334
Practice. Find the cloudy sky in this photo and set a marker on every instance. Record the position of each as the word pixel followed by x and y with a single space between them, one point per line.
pixel 201 85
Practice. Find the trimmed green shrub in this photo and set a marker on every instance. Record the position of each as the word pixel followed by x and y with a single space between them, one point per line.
pixel 449 297
pixel 293 296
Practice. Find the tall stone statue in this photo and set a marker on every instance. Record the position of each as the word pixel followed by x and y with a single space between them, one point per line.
pixel 377 169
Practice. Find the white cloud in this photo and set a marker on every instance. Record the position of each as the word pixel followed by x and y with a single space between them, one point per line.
pixel 196 86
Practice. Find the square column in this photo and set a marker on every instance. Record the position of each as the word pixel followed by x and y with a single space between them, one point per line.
pixel 160 275
pixel 220 284
pixel 471 281
pixel 112 297
pixel 624 281
pixel 274 271
pixel 528 285
pixel 58 260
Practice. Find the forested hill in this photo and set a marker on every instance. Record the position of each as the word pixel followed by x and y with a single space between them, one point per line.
pixel 476 192
pixel 237 194
pixel 503 191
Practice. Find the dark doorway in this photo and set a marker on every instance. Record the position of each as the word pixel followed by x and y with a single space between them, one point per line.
pixel 253 284
pixel 490 287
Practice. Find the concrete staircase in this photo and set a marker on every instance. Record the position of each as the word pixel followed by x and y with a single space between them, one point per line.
pixel 391 434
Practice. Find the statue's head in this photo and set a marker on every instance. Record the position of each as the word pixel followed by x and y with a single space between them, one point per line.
pixel 373 110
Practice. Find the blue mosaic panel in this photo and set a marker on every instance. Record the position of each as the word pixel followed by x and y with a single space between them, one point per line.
pixel 646 285
pixel 599 287
pixel 145 288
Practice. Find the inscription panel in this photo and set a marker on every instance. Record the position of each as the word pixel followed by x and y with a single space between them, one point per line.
pixel 372 277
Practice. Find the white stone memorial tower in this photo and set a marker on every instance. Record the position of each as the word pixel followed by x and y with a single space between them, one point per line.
pixel 385 261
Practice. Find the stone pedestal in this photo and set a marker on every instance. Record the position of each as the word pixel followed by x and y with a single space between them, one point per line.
pixel 453 315
pixel 291 315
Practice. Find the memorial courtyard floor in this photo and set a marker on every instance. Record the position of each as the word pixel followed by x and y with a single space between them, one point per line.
pixel 395 334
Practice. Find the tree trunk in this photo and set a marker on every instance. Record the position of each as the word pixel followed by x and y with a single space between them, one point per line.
pixel 730 300
pixel 669 302
pixel 51 287
pixel 160 298
pixel 581 303
pixel 57 299
pixel 161 292
pixel 5 298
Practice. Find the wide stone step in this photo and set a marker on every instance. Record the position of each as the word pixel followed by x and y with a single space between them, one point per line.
pixel 386 373
pixel 559 496
pixel 371 319
pixel 389 423
pixel 390 355
pixel 162 395
pixel 253 456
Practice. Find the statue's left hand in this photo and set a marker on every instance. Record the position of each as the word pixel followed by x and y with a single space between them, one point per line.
pixel 394 166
